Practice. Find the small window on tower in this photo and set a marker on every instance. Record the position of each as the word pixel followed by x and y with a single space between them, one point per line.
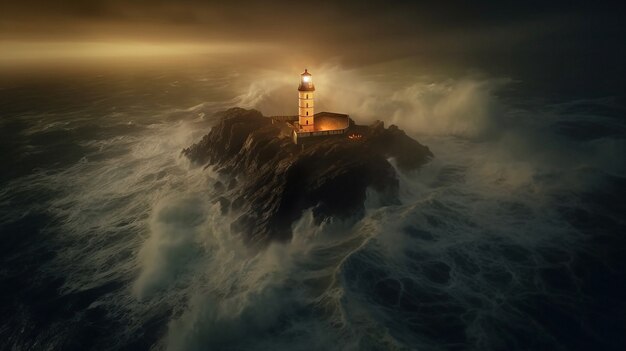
pixel 307 113
pixel 307 104
pixel 307 96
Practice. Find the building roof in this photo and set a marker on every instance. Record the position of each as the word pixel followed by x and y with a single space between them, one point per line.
pixel 330 114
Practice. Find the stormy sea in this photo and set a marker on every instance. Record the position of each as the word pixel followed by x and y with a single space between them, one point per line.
pixel 511 238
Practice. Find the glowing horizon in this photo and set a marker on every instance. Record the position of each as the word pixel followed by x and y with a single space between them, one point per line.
pixel 32 51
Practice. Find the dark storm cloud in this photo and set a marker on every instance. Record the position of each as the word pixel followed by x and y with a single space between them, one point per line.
pixel 256 18
pixel 576 42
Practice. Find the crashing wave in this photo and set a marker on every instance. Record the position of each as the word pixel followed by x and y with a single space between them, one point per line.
pixel 271 181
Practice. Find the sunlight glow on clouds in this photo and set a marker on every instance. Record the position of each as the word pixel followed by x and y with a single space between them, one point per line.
pixel 14 51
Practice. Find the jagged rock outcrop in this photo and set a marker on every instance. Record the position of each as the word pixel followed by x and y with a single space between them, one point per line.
pixel 277 180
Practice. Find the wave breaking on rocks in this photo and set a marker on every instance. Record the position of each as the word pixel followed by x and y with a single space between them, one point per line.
pixel 268 181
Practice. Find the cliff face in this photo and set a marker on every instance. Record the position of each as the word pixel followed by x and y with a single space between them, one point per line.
pixel 277 180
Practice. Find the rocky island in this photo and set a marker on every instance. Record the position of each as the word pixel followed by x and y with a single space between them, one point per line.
pixel 272 180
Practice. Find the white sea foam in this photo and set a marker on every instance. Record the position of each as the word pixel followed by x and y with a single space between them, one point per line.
pixel 470 230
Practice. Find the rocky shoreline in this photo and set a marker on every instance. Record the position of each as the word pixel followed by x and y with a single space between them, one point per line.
pixel 272 181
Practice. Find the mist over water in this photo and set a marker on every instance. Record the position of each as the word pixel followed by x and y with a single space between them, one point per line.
pixel 510 238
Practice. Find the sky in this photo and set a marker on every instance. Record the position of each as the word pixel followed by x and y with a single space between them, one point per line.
pixel 574 45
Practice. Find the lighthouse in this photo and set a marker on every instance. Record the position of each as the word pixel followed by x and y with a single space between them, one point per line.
pixel 307 126
pixel 306 90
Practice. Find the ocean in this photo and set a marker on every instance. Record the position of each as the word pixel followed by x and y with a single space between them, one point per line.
pixel 512 238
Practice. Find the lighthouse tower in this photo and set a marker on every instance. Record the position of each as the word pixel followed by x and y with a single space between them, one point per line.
pixel 305 102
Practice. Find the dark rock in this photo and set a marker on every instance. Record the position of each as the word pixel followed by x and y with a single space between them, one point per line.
pixel 218 186
pixel 278 180
pixel 393 142
pixel 224 204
